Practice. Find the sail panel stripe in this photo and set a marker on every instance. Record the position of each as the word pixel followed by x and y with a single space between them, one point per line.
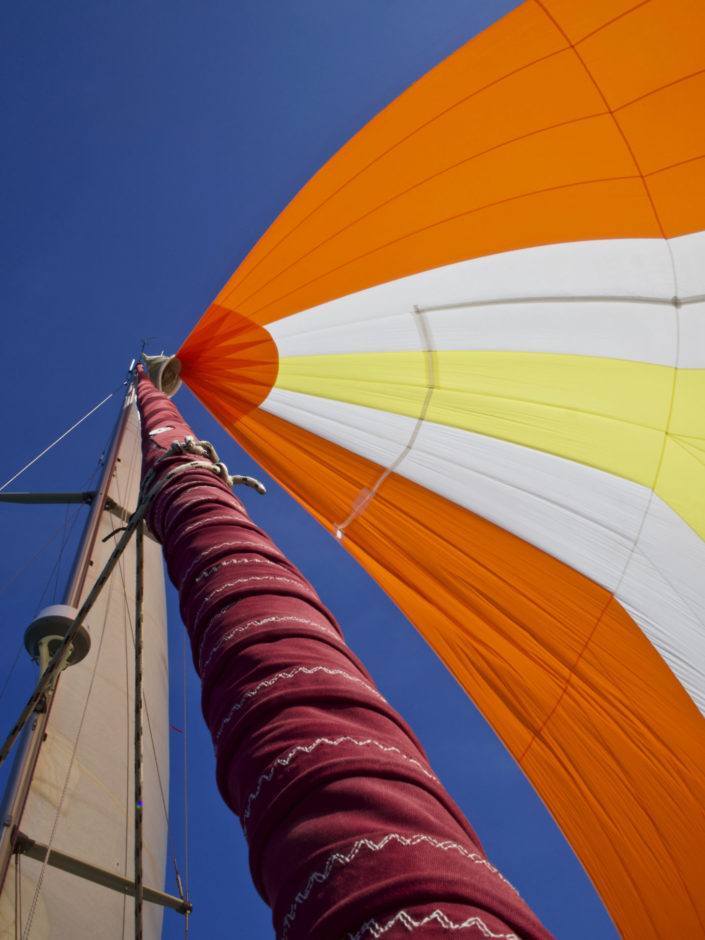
pixel 557 666
pixel 372 214
pixel 604 526
pixel 613 299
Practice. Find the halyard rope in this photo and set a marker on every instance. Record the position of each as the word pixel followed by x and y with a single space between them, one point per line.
pixel 63 651
pixel 139 592
pixel 206 449
pixel 64 790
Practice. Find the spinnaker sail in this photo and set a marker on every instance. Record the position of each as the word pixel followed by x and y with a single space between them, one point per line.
pixel 472 347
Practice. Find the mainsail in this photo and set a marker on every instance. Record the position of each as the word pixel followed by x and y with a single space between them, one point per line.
pixel 81 799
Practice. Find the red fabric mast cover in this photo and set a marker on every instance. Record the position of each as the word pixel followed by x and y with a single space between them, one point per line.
pixel 350 833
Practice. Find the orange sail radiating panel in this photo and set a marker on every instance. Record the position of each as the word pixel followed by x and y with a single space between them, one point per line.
pixel 473 347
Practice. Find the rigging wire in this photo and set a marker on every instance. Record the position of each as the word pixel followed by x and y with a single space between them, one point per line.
pixel 128 613
pixel 14 578
pixel 132 469
pixel 148 492
pixel 38 552
pixel 67 534
pixel 116 560
pixel 60 438
pixel 127 617
pixel 12 669
pixel 60 556
pixel 18 894
pixel 68 523
pixel 137 734
pixel 64 789
pixel 126 625
pixel 186 814
pixel 54 573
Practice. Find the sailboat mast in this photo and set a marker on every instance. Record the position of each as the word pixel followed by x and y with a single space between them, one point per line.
pixel 82 560
pixel 20 780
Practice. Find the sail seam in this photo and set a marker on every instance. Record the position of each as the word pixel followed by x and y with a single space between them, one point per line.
pixel 240 546
pixel 291 674
pixel 566 299
pixel 213 569
pixel 233 584
pixel 261 622
pixel 439 916
pixel 309 748
pixel 338 859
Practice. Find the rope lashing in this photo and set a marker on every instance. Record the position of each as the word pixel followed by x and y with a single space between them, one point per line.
pixel 205 449
pixel 63 651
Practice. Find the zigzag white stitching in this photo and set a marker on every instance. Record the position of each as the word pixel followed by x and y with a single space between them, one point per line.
pixel 339 859
pixel 207 572
pixel 307 670
pixel 403 918
pixel 248 626
pixel 195 525
pixel 223 587
pixel 244 546
pixel 307 749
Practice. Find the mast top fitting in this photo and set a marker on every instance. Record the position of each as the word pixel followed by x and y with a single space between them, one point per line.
pixel 164 372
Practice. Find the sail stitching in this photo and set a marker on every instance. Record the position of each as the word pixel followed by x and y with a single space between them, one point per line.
pixel 239 545
pixel 214 569
pixel 339 859
pixel 439 916
pixel 254 577
pixel 201 522
pixel 291 674
pixel 308 749
pixel 261 622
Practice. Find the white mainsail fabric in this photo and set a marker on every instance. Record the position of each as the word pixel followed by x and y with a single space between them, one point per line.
pixel 81 801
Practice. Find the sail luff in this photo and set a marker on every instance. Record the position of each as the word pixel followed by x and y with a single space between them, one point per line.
pixel 350 832
pixel 33 734
pixel 82 559
pixel 81 801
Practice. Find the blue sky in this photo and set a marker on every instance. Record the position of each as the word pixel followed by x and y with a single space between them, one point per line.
pixel 146 147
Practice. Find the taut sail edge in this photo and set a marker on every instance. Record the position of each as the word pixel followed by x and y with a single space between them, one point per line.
pixel 80 804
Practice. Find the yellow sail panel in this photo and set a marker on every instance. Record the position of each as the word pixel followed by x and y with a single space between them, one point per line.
pixel 600 724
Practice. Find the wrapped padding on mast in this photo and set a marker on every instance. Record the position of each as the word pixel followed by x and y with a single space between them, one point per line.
pixel 350 833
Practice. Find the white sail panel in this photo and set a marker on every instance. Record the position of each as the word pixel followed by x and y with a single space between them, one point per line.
pixel 81 801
